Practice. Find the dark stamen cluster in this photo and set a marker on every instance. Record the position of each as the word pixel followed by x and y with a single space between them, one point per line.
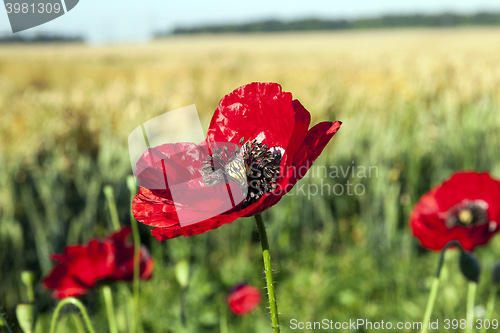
pixel 253 166
pixel 215 167
pixel 263 170
pixel 468 213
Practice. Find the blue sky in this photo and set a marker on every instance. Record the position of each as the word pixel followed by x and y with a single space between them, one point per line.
pixel 103 21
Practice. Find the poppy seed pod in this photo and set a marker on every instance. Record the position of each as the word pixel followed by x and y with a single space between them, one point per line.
pixel 496 274
pixel 469 266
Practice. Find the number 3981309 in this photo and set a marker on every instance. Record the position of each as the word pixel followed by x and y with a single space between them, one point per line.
pixel 32 8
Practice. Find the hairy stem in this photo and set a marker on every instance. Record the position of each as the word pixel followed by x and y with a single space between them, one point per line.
pixel 269 273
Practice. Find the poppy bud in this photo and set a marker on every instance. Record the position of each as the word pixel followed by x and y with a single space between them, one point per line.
pixel 132 186
pixel 28 279
pixel 25 314
pixel 496 273
pixel 243 299
pixel 469 266
pixel 182 273
pixel 108 191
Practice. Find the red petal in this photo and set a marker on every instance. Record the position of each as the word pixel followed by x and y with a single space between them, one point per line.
pixel 175 230
pixel 191 205
pixel 182 162
pixel 124 257
pixel 314 143
pixel 256 110
pixel 196 228
pixel 80 268
pixel 302 121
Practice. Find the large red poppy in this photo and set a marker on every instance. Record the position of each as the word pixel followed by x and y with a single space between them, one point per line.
pixel 270 148
pixel 243 299
pixel 465 208
pixel 82 267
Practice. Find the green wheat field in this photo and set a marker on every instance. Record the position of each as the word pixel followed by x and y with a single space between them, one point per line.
pixel 416 104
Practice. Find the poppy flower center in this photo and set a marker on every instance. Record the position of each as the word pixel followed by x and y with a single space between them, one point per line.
pixel 468 213
pixel 254 166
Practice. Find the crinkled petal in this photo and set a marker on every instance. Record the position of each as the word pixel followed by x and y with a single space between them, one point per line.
pixel 314 143
pixel 259 111
pixel 80 268
pixel 124 263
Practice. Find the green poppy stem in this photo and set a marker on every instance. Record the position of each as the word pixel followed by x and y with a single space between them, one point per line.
pixel 78 323
pixel 137 248
pixel 3 323
pixel 182 301
pixel 110 197
pixel 108 299
pixel 223 318
pixel 435 286
pixel 79 305
pixel 490 306
pixel 269 273
pixel 430 304
pixel 471 296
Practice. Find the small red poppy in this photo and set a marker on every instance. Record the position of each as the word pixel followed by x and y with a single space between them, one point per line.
pixel 465 208
pixel 82 267
pixel 243 299
pixel 270 148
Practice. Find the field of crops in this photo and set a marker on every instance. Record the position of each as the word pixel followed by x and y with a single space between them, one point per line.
pixel 416 105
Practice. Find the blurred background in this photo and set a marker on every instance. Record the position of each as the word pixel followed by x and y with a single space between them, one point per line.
pixel 416 84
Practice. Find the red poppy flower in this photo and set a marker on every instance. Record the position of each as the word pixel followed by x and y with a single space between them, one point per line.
pixel 243 299
pixel 82 267
pixel 258 141
pixel 465 208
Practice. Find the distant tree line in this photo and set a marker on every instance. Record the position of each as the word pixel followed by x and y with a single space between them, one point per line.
pixel 387 21
pixel 40 38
